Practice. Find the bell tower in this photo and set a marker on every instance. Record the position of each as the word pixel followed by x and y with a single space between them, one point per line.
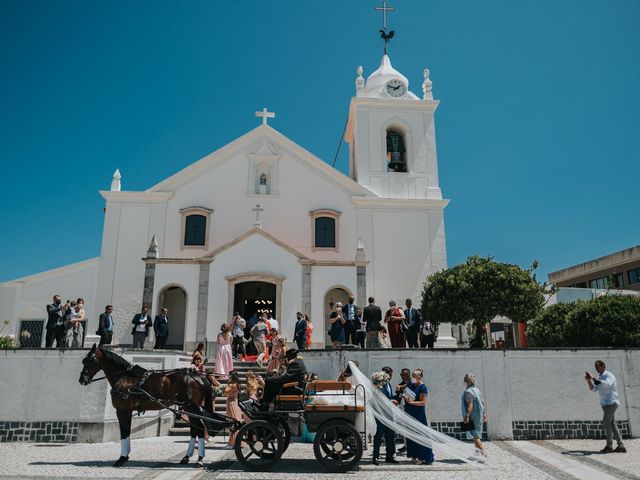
pixel 391 132
pixel 391 135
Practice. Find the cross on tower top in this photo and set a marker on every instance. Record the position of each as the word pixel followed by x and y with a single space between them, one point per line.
pixel 265 114
pixel 384 9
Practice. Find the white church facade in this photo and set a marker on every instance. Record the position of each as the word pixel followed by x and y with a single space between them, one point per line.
pixel 262 223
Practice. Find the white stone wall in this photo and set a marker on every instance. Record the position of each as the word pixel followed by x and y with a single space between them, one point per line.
pixel 45 388
pixel 529 385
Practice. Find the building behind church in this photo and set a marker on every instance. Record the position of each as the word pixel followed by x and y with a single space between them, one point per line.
pixel 264 225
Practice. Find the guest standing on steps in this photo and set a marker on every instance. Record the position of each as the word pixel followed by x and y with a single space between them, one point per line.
pixel 372 316
pixel 393 318
pixel 224 356
pixel 106 326
pixel 161 329
pixel 55 322
pixel 300 332
pixel 141 323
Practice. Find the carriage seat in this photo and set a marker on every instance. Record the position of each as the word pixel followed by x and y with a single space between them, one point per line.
pixel 327 385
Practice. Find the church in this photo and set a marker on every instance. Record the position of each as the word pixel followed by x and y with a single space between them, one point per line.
pixel 262 224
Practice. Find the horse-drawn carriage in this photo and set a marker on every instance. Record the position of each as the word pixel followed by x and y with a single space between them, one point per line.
pixel 333 410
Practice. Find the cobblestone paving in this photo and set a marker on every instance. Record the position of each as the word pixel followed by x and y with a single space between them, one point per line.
pixel 149 457
pixel 627 464
pixel 299 462
pixel 156 459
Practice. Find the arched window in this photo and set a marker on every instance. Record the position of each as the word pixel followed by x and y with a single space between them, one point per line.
pixel 325 232
pixel 396 151
pixel 195 230
pixel 195 227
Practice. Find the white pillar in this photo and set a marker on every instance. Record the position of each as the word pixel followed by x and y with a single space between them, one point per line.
pixel 445 337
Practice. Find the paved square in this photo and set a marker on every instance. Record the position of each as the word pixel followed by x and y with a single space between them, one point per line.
pixel 157 459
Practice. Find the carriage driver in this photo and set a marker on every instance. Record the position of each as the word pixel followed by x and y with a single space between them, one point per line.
pixel 296 372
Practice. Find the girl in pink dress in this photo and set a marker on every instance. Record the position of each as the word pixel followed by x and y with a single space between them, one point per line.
pixel 224 355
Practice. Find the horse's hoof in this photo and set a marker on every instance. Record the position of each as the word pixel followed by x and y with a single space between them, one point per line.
pixel 121 461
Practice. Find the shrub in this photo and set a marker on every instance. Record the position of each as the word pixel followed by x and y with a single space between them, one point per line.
pixel 609 321
pixel 550 328
pixel 7 343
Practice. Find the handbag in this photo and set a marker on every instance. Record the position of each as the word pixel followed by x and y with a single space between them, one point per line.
pixel 468 426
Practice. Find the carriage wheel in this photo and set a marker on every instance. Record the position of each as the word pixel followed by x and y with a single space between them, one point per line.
pixel 258 446
pixel 338 446
pixel 285 433
pixel 283 427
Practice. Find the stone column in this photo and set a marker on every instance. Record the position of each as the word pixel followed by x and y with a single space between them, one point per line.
pixel 147 291
pixel 361 275
pixel 203 303
pixel 305 299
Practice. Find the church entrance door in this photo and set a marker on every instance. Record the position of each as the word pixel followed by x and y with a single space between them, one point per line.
pixel 333 296
pixel 254 298
pixel 175 299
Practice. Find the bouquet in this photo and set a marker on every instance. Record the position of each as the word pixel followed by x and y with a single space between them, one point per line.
pixel 379 378
pixel 217 391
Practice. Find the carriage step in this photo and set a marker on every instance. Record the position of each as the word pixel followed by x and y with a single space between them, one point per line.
pixel 179 431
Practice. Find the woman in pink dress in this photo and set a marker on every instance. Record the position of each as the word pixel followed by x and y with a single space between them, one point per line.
pixel 224 355
pixel 278 355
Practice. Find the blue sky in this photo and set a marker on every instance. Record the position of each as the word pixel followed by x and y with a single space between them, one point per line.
pixel 538 129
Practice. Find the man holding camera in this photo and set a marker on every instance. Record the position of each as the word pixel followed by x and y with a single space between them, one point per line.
pixel 606 386
pixel 55 327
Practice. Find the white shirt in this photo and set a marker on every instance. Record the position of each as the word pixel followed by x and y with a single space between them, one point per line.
pixel 142 324
pixel 274 324
pixel 607 389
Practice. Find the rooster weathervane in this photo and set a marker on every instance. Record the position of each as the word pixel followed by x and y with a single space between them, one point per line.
pixel 383 31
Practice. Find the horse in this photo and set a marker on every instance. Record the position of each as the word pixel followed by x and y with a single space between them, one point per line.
pixel 135 388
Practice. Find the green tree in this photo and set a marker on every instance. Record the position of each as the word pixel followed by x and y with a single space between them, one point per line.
pixel 608 321
pixel 478 291
pixel 549 329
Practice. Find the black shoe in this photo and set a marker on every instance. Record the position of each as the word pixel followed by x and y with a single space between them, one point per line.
pixel 199 462
pixel 391 460
pixel 606 450
pixel 184 460
pixel 620 449
pixel 375 461
pixel 121 461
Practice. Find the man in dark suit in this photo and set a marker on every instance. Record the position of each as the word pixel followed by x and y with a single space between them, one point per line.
pixel 413 323
pixel 161 328
pixel 350 327
pixel 300 331
pixel 296 372
pixel 55 322
pixel 384 431
pixel 372 316
pixel 141 323
pixel 105 326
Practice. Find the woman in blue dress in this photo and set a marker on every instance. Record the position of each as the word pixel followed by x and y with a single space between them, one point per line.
pixel 415 404
pixel 336 332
